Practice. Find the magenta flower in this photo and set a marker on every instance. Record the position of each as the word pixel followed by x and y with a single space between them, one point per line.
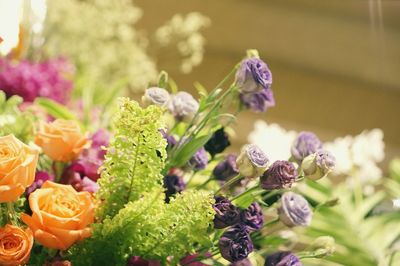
pixel 40 178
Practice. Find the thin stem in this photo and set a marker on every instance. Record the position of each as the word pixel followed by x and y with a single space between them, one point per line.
pixel 11 217
pixel 229 183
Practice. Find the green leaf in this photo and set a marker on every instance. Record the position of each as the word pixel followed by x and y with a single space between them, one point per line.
pixel 189 149
pixel 55 109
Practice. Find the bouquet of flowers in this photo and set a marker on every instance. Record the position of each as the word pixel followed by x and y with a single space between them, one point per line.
pixel 155 187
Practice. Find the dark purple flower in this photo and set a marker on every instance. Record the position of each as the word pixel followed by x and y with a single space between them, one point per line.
pixel 174 183
pixel 294 210
pixel 285 258
pixel 258 101
pixel 40 178
pixel 30 80
pixel 226 168
pixel 244 262
pixel 306 143
pixel 253 75
pixel 252 217
pixel 226 213
pixel 281 174
pixel 199 160
pixel 235 244
pixel 138 261
pixel 171 141
pixel 218 142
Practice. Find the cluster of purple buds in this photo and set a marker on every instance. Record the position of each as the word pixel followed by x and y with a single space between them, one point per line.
pixel 281 174
pixel 218 142
pixel 285 258
pixel 294 210
pixel 306 143
pixel 235 244
pixel 199 160
pixel 174 183
pixel 254 80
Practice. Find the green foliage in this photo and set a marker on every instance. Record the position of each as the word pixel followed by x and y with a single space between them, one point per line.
pixel 134 159
pixel 13 121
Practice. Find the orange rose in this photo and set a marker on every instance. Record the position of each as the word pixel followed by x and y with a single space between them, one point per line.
pixel 15 245
pixel 61 140
pixel 17 167
pixel 60 215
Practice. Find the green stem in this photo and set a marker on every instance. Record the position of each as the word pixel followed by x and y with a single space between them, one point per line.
pixel 229 183
pixel 12 216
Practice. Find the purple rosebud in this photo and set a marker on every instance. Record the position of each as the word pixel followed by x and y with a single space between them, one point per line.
pixel 138 261
pixel 306 143
pixel 226 214
pixel 281 174
pixel 252 161
pixel 174 183
pixel 156 96
pixel 294 210
pixel 258 101
pixel 235 244
pixel 199 160
pixel 226 168
pixel 171 141
pixel 253 75
pixel 244 262
pixel 285 258
pixel 318 165
pixel 218 142
pixel 253 217
pixel 40 178
pixel 183 106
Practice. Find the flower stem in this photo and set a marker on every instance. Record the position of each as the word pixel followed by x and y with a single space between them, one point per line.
pixel 11 215
pixel 229 183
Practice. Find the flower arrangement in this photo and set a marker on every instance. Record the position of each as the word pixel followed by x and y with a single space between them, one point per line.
pixel 156 187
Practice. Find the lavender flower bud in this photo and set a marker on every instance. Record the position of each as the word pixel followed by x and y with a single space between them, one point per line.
pixel 199 160
pixel 294 210
pixel 226 213
pixel 306 143
pixel 218 142
pixel 235 244
pixel 285 258
pixel 183 106
pixel 156 96
pixel 253 217
pixel 226 168
pixel 258 101
pixel 281 174
pixel 253 75
pixel 171 141
pixel 174 183
pixel 318 165
pixel 252 161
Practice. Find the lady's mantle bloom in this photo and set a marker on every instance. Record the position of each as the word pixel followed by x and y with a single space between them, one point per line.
pixel 253 75
pixel 235 244
pixel 226 213
pixel 183 106
pixel 226 168
pixel 156 96
pixel 252 217
pixel 285 258
pixel 281 174
pixel 306 143
pixel 218 142
pixel 318 165
pixel 199 160
pixel 252 161
pixel 294 210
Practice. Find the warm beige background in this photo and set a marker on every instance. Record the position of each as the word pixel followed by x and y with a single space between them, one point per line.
pixel 336 63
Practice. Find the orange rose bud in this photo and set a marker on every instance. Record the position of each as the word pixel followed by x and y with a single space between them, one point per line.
pixel 61 140
pixel 60 215
pixel 15 245
pixel 17 167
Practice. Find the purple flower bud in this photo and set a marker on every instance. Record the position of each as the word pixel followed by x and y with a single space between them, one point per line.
pixel 40 178
pixel 244 262
pixel 252 161
pixel 258 101
pixel 174 183
pixel 306 143
pixel 235 244
pixel 294 210
pixel 226 168
pixel 318 165
pixel 285 258
pixel 226 213
pixel 156 96
pixel 183 106
pixel 169 138
pixel 253 217
pixel 281 174
pixel 253 75
pixel 218 142
pixel 138 261
pixel 199 160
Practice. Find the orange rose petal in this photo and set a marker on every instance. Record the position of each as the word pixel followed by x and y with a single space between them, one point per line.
pixel 69 237
pixel 66 223
pixel 10 192
pixel 48 240
pixel 34 201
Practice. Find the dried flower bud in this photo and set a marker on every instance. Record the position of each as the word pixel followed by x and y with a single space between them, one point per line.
pixel 226 214
pixel 218 142
pixel 226 168
pixel 285 258
pixel 306 143
pixel 252 217
pixel 294 210
pixel 281 174
pixel 252 161
pixel 183 106
pixel 318 165
pixel 156 96
pixel 253 75
pixel 235 244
